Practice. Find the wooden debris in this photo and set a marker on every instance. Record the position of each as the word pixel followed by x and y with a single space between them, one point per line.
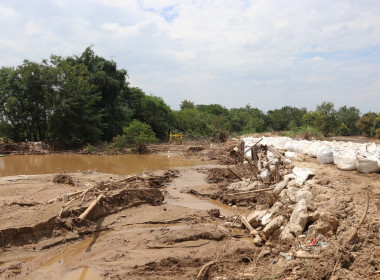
pixel 254 191
pixel 237 176
pixel 92 205
pixel 252 231
pixel 204 270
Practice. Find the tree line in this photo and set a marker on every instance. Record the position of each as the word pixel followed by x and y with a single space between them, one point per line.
pixel 86 99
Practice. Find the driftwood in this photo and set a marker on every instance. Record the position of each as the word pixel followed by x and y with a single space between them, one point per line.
pixel 252 231
pixel 278 177
pixel 298 256
pixel 64 206
pixel 254 191
pixel 92 205
pixel 237 176
pixel 273 150
pixel 241 152
pixel 204 270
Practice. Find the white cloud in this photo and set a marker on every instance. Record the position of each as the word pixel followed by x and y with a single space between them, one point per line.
pixel 8 13
pixel 266 53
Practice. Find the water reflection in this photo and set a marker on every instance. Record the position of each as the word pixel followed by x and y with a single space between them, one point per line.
pixel 115 164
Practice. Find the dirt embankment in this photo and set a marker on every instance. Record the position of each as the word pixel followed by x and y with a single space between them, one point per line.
pixel 187 224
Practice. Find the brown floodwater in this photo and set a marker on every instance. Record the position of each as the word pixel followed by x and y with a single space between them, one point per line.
pixel 115 164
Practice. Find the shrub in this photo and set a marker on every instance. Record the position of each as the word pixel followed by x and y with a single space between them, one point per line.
pixel 90 148
pixel 137 134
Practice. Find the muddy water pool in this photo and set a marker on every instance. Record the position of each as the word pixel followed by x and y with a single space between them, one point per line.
pixel 113 164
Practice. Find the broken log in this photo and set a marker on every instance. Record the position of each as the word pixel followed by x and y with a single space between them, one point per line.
pixel 92 205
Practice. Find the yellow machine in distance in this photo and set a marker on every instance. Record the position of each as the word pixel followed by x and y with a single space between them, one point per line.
pixel 178 138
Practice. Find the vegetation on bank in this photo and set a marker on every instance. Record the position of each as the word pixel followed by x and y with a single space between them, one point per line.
pixel 85 100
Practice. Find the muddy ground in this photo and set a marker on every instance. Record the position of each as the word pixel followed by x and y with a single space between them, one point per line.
pixel 184 224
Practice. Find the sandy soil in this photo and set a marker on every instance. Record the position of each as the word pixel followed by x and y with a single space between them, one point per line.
pixel 169 225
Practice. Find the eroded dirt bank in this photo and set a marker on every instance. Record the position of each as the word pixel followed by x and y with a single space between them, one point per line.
pixel 173 224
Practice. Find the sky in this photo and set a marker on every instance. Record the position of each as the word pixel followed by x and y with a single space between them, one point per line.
pixel 266 53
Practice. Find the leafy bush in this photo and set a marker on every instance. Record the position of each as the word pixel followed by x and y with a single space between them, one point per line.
pixel 90 148
pixel 138 134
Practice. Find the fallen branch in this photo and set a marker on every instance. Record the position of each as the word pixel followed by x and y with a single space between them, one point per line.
pixel 237 176
pixel 252 231
pixel 204 270
pixel 297 256
pixel 92 205
pixel 273 150
pixel 254 191
pixel 63 207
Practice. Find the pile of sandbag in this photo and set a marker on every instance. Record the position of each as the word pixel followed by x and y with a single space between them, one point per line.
pixel 345 155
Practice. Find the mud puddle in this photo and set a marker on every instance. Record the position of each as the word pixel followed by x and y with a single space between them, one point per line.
pixel 192 178
pixel 86 273
pixel 55 266
pixel 112 164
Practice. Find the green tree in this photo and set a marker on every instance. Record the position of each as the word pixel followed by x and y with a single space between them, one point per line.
pixel 285 118
pixel 151 110
pixel 73 116
pixel 365 123
pixel 186 104
pixel 214 109
pixel 347 119
pixel 247 120
pixel 375 132
pixel 139 134
pixel 326 118
pixel 110 82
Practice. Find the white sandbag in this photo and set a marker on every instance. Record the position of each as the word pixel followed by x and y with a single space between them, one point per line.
pixel 345 159
pixel 367 163
pixel 371 148
pixel 325 155
pixel 300 147
pixel 291 155
pixel 290 146
pixel 313 148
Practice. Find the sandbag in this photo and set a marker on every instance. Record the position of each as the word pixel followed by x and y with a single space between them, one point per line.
pixel 290 146
pixel 367 163
pixel 313 148
pixel 291 155
pixel 345 159
pixel 325 155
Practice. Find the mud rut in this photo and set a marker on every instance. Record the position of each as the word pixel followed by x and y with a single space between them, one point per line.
pixel 175 226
